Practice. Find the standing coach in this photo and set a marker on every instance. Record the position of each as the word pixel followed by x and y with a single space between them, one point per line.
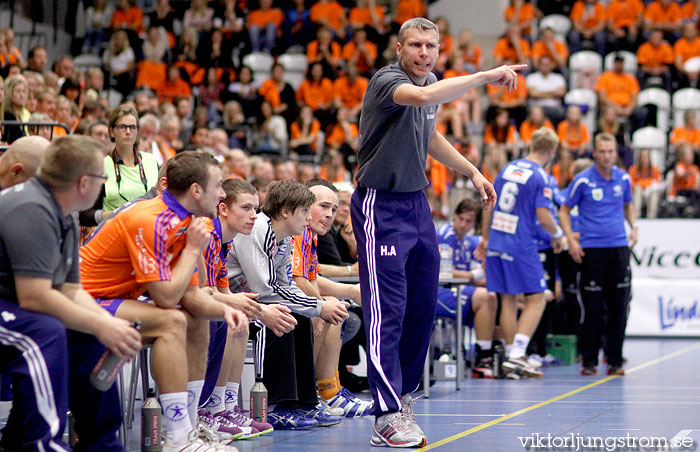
pixel 604 199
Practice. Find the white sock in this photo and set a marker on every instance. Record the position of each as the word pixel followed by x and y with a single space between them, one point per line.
pixel 520 342
pixel 194 392
pixel 177 419
pixel 484 345
pixel 215 404
pixel 231 399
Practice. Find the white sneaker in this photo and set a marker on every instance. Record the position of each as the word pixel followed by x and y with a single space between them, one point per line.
pixel 328 409
pixel 393 430
pixel 195 443
pixel 407 411
pixel 209 432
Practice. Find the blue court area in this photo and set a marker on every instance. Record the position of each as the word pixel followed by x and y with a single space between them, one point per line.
pixel 658 398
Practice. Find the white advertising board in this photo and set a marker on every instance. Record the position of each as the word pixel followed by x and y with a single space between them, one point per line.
pixel 667 249
pixel 664 307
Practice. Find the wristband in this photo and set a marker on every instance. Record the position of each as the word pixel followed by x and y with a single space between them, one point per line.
pixel 349 270
pixel 559 234
pixel 478 273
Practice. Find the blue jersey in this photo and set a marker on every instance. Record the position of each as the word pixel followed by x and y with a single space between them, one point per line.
pixel 601 207
pixel 543 237
pixel 573 214
pixel 462 250
pixel 522 188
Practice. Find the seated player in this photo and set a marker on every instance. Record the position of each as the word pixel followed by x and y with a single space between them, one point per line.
pixel 260 263
pixel 153 246
pixel 479 309
pixel 327 345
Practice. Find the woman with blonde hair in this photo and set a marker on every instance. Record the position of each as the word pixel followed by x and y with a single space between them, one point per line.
pixel 119 60
pixel 14 106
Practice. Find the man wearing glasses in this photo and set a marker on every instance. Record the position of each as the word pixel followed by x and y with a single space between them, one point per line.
pixel 52 332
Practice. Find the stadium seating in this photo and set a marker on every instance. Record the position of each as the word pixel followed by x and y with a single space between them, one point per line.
pixel 662 100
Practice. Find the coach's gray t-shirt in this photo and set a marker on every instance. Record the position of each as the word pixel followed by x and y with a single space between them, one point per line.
pixel 394 138
pixel 36 239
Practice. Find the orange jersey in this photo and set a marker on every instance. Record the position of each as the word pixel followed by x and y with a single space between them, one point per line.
pixel 215 255
pixel 474 57
pixel 624 13
pixel 314 94
pixel 362 62
pixel 656 13
pixel 505 50
pixel 262 18
pixel 137 246
pixel 688 181
pixel 644 179
pixel 574 137
pixel 269 91
pixel 506 95
pixel 556 172
pixel 312 51
pixel 331 11
pixel 490 136
pixel 131 18
pixel 648 55
pixel 350 94
pixel 304 257
pixel 589 21
pixel 169 91
pixel 620 88
pixel 363 15
pixel 540 49
pixel 337 136
pixel 687 10
pixel 408 9
pixel 340 175
pixel 527 129
pixel 527 12
pixel 683 134
pixel 686 49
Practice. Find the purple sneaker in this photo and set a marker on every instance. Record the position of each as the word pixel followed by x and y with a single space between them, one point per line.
pixel 215 431
pixel 243 418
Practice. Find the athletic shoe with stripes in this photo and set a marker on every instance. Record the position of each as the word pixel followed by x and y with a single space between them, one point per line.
pixel 243 418
pixel 350 405
pixel 318 413
pixel 247 431
pixel 214 431
pixel 284 419
pixel 393 430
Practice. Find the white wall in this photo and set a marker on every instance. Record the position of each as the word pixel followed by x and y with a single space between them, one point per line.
pixel 482 17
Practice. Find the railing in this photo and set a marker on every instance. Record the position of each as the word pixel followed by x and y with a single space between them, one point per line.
pixel 26 124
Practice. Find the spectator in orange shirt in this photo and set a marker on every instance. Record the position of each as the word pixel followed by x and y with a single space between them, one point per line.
pixel 501 133
pixel 304 133
pixel 588 20
pixel 333 169
pixel 664 15
pixel 624 22
pixel 264 25
pixel 512 48
pixel 618 90
pixel 447 44
pixel 690 11
pixel 174 86
pixel 330 14
pixel 349 91
pixel 688 133
pixel 366 14
pixel 655 58
pixel 127 15
pixel 555 50
pixel 646 185
pixel 13 52
pixel 316 91
pixel 563 170
pixel 535 119
pixel 513 101
pixel 280 94
pixel 684 49
pixel 469 105
pixel 344 135
pixel 324 50
pixel 522 13
pixel 361 53
pixel 685 176
pixel 573 133
pixel 471 53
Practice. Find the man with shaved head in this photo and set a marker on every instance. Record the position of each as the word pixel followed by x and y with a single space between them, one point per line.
pixel 21 160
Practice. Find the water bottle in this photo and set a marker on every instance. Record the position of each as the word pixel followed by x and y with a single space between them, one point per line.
pixel 151 424
pixel 107 368
pixel 72 436
pixel 445 261
pixel 258 401
pixel 499 356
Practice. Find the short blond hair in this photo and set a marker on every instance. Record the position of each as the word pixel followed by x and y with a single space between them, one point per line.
pixel 603 137
pixel 544 139
pixel 69 158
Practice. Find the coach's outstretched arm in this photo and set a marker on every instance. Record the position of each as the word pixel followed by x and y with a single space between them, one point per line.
pixel 449 89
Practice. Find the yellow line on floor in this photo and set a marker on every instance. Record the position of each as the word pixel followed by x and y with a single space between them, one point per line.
pixel 557 398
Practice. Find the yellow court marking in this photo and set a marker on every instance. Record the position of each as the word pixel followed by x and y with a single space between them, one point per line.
pixel 506 417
